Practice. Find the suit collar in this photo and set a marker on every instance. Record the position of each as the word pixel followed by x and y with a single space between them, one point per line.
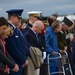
pixel 12 24
pixel 33 30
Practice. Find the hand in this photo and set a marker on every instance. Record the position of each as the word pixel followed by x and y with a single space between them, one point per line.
pixel 65 48
pixel 44 55
pixel 26 63
pixel 8 70
pixel 42 61
pixel 16 68
pixel 61 51
pixel 54 53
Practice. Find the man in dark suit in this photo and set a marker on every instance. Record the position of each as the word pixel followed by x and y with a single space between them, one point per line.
pixel 32 37
pixel 33 32
pixel 15 43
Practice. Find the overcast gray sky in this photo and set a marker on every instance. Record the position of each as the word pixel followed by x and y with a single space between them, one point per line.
pixel 47 7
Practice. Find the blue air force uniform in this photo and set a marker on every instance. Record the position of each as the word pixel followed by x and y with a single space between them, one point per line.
pixel 17 48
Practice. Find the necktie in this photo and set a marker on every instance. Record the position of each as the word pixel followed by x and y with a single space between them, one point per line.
pixel 37 37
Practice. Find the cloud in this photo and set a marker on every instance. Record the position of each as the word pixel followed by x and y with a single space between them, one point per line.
pixel 66 7
pixel 1 9
pixel 46 6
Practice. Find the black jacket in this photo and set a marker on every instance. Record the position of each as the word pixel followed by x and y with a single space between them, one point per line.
pixel 26 28
pixel 5 58
pixel 32 39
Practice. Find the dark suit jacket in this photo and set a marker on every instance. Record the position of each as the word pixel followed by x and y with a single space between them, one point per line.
pixel 42 41
pixel 31 38
pixel 26 28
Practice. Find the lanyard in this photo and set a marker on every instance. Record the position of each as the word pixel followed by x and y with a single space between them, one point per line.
pixel 4 54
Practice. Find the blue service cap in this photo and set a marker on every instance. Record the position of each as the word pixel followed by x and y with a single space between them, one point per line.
pixel 16 12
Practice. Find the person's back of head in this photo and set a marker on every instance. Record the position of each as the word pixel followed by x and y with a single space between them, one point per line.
pixel 50 21
pixel 54 17
pixel 3 21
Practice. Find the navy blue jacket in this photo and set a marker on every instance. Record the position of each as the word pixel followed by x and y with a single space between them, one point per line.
pixel 16 46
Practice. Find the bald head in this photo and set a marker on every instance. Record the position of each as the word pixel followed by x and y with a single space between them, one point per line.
pixel 38 26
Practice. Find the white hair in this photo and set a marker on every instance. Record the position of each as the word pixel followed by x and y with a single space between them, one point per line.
pixel 35 24
pixel 38 24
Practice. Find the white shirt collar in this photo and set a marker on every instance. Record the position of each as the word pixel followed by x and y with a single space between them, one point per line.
pixel 12 24
pixel 33 30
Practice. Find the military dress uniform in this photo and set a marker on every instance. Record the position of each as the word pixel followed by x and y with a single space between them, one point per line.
pixel 68 23
pixel 16 45
pixel 61 43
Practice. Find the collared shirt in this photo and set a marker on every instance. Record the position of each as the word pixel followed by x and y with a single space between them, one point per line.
pixel 12 25
pixel 35 34
pixel 33 31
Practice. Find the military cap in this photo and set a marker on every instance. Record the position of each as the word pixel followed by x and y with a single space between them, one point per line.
pixel 35 13
pixel 44 20
pixel 16 12
pixel 67 21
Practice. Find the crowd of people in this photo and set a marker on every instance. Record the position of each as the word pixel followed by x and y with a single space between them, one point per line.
pixel 24 49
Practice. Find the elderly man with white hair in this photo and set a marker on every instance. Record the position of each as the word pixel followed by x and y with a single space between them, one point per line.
pixel 31 35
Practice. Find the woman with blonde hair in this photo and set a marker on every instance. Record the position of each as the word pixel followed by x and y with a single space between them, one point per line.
pixel 7 32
